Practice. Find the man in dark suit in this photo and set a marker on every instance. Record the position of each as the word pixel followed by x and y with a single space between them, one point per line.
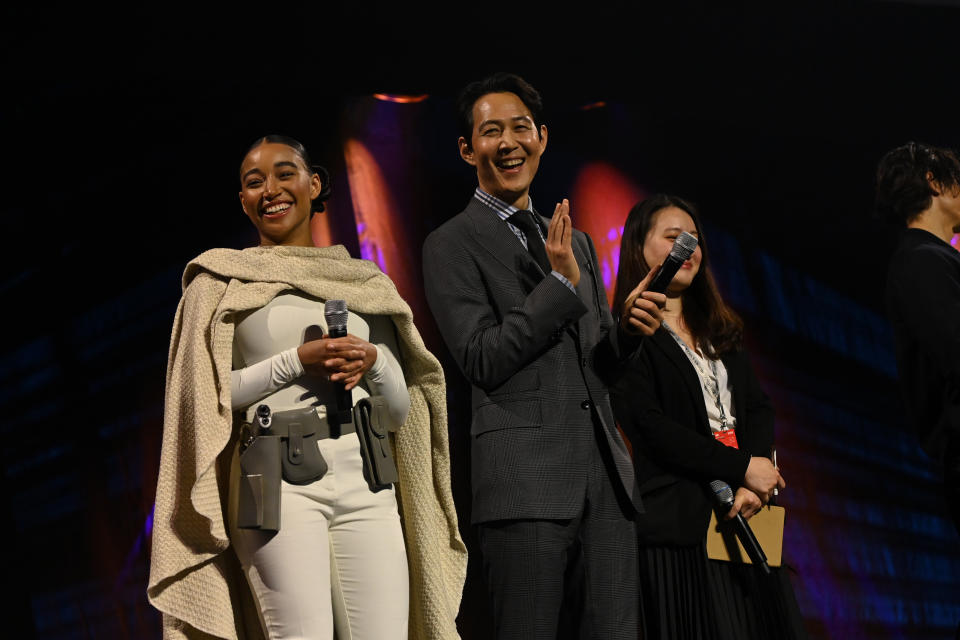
pixel 520 303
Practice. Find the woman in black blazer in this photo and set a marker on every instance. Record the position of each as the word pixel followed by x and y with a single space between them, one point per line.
pixel 694 412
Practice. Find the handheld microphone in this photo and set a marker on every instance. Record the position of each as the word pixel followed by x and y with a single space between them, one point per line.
pixel 335 312
pixel 724 495
pixel 683 248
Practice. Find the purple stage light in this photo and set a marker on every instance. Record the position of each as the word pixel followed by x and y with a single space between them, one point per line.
pixel 602 197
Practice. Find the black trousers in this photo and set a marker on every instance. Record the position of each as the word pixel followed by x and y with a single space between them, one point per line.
pixel 574 578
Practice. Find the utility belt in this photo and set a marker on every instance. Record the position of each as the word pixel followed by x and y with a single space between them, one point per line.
pixel 283 445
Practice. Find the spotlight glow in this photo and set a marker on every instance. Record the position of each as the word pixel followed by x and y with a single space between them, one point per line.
pixel 380 228
pixel 593 105
pixel 320 227
pixel 602 197
pixel 400 99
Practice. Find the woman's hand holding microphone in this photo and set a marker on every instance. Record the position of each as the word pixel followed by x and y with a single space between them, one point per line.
pixel 343 360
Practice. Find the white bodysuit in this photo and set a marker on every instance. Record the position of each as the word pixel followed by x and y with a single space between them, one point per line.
pixel 339 558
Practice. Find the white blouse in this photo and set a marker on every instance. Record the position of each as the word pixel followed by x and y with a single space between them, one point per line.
pixel 713 382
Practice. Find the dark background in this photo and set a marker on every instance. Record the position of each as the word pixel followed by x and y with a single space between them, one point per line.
pixel 124 130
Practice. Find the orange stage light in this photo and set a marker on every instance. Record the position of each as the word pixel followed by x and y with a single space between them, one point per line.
pixel 602 197
pixel 593 105
pixel 380 227
pixel 401 99
pixel 320 227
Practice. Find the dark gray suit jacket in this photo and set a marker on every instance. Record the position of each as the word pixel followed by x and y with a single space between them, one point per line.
pixel 531 348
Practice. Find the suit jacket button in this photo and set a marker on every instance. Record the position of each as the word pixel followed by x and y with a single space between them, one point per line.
pixel 585 405
pixel 583 363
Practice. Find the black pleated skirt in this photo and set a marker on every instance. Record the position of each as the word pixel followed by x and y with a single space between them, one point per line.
pixel 687 596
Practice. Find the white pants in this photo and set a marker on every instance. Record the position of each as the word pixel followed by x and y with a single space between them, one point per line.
pixel 337 561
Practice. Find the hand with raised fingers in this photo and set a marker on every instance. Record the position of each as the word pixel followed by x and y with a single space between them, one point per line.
pixel 559 244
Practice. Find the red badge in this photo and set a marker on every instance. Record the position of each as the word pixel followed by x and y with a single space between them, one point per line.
pixel 727 437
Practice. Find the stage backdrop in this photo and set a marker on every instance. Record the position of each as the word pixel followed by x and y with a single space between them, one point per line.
pixel 870 552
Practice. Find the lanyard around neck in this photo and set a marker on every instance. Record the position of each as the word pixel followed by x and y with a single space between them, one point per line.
pixel 711 378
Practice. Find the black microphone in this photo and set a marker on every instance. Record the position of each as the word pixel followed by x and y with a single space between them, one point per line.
pixel 683 248
pixel 724 495
pixel 335 311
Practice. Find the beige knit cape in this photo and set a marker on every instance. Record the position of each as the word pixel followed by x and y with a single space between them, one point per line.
pixel 194 575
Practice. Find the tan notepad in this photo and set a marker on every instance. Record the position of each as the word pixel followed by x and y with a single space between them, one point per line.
pixel 767 525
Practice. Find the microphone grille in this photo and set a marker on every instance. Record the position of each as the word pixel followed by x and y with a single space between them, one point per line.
pixel 722 491
pixel 684 246
pixel 335 312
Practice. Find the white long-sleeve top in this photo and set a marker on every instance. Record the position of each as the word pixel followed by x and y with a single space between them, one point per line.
pixel 266 368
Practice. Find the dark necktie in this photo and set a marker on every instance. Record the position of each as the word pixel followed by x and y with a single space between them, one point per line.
pixel 524 221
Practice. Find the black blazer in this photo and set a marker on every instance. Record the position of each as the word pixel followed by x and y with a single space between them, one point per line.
pixel 531 348
pixel 923 304
pixel 660 406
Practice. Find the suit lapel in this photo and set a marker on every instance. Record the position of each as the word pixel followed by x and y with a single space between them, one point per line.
pixel 497 238
pixel 586 289
pixel 691 381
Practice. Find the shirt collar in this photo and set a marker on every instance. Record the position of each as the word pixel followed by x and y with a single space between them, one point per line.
pixel 501 208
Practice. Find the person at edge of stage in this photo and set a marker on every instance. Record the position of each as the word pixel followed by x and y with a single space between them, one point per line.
pixel 250 330
pixel 520 302
pixel 694 412
pixel 918 186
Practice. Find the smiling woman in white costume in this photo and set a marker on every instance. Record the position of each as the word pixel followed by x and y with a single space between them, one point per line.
pixel 250 332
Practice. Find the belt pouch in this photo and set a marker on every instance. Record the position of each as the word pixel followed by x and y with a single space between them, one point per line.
pixel 302 462
pixel 259 500
pixel 379 469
